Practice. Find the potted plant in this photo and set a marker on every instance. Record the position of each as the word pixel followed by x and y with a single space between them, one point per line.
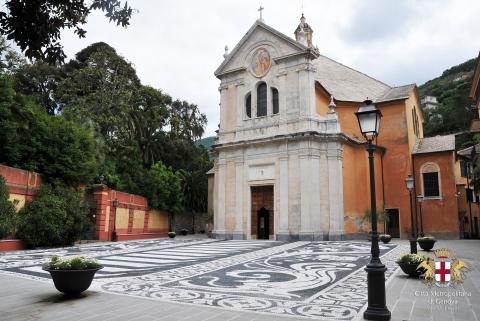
pixel 382 218
pixel 426 242
pixel 409 263
pixel 385 238
pixel 184 231
pixel 172 234
pixel 73 275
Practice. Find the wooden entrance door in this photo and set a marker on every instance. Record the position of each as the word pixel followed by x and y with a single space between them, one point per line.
pixel 393 225
pixel 262 212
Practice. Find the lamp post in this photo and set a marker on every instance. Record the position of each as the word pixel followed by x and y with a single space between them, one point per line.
pixel 420 200
pixel 409 182
pixel 114 233
pixel 369 121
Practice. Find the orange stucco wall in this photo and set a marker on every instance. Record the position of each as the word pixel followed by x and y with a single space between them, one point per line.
pixel 397 137
pixel 440 214
pixel 356 188
pixel 130 218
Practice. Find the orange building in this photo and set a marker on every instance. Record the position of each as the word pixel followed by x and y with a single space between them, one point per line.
pixel 272 165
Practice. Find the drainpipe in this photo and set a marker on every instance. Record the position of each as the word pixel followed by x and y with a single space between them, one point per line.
pixel 383 193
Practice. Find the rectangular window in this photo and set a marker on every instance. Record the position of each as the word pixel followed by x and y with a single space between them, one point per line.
pixel 471 197
pixel 248 106
pixel 275 100
pixel 463 168
pixel 262 100
pixel 430 184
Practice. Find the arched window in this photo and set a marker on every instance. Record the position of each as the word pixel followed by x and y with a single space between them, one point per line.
pixel 430 180
pixel 262 100
pixel 275 100
pixel 248 105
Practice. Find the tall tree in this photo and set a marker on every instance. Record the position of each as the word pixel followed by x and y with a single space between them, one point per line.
pixel 40 80
pixel 33 140
pixel 36 25
pixel 186 121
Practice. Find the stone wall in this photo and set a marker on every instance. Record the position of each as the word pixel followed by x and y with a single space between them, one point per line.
pixel 186 220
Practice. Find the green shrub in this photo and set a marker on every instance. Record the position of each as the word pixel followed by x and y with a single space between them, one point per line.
pixel 7 211
pixel 72 263
pixel 411 259
pixel 56 216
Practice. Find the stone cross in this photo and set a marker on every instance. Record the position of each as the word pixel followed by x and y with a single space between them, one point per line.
pixel 260 10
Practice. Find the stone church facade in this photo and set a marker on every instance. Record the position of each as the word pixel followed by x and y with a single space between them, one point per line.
pixel 290 162
pixel 278 164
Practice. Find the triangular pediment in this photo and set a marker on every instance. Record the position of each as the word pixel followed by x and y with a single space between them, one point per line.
pixel 258 35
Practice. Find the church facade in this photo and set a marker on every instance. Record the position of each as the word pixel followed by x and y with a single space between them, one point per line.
pixel 290 162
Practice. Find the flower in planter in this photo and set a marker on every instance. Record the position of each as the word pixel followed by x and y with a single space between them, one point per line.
pixel 184 231
pixel 411 259
pixel 72 275
pixel 172 234
pixel 426 238
pixel 72 263
pixel 386 238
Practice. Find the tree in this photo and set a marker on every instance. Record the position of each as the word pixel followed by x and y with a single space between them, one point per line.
pixel 186 121
pixel 163 188
pixel 36 25
pixel 10 60
pixel 39 80
pixel 56 216
pixel 50 145
pixel 7 211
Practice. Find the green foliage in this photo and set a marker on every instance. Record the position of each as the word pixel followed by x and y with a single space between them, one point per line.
pixel 72 263
pixel 382 216
pixel 7 211
pixel 453 113
pixel 50 145
pixel 36 26
pixel 412 259
pixel 163 188
pixel 56 216
pixel 195 182
pixel 39 80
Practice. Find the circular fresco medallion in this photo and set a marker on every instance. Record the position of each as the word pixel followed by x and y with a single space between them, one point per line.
pixel 260 63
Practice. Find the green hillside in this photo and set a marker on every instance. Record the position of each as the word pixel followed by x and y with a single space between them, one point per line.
pixel 451 89
pixel 206 142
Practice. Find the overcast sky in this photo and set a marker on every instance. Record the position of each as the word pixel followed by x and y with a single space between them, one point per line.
pixel 176 45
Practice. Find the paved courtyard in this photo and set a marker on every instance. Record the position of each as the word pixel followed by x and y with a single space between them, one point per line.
pixel 188 279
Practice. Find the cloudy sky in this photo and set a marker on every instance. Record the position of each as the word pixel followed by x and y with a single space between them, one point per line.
pixel 175 45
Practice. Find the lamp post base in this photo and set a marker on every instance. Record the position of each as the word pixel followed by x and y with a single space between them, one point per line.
pixel 377 307
pixel 413 245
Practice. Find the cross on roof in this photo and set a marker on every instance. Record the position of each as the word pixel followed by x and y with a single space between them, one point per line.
pixel 260 10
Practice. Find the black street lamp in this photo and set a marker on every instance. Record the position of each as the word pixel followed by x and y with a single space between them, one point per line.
pixel 420 200
pixel 409 182
pixel 114 233
pixel 369 121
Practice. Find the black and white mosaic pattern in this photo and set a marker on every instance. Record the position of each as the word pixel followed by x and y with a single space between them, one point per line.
pixel 319 280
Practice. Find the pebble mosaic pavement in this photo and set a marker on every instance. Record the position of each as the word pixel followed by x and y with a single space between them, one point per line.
pixel 313 280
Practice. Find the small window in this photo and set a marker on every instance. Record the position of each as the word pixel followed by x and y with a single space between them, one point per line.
pixel 471 197
pixel 430 184
pixel 262 100
pixel 463 168
pixel 248 105
pixel 275 100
